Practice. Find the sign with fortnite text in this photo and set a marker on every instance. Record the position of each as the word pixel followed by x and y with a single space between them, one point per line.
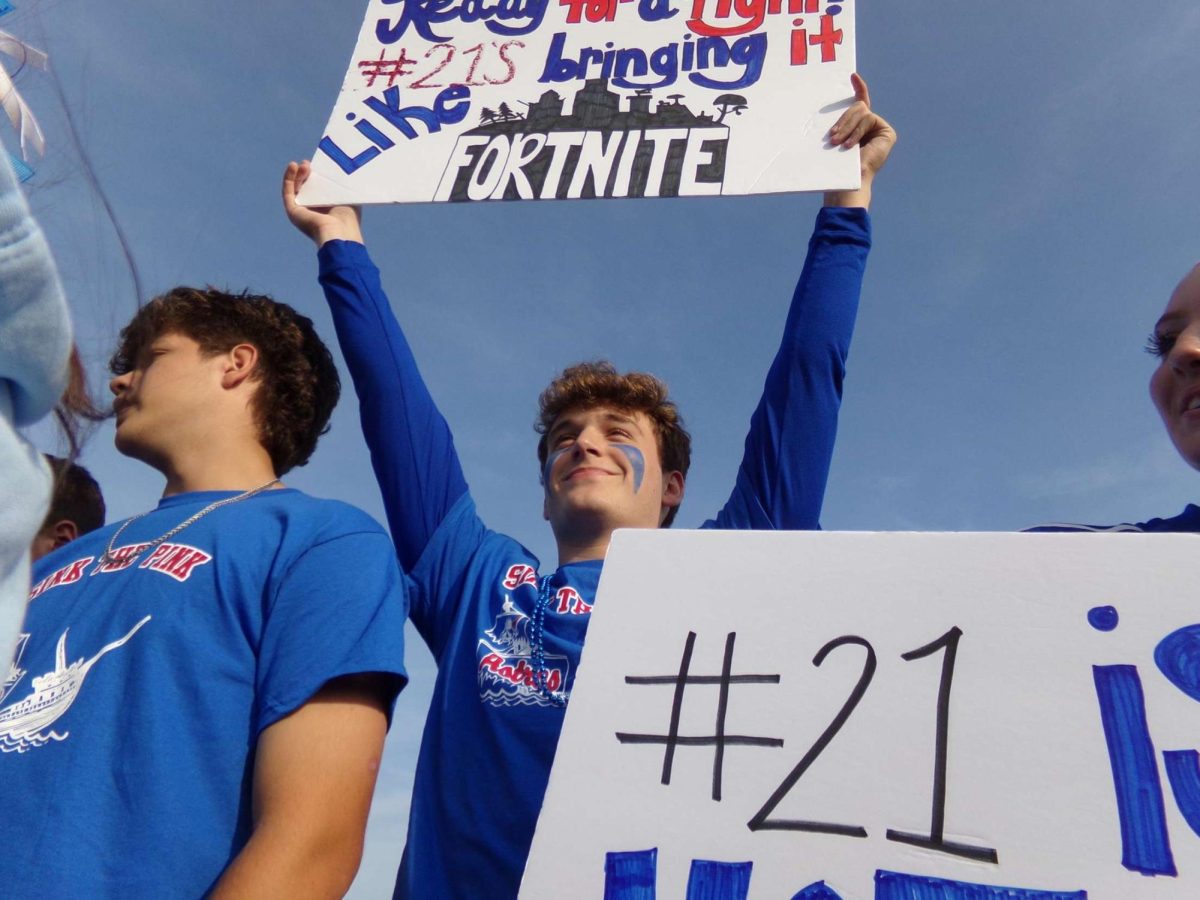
pixel 764 716
pixel 459 100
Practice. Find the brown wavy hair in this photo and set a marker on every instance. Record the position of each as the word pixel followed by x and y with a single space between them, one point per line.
pixel 598 383
pixel 298 384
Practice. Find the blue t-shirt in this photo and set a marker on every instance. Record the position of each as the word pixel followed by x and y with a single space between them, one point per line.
pixel 479 599
pixel 131 717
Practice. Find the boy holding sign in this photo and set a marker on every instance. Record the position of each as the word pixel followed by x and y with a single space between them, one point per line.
pixel 613 454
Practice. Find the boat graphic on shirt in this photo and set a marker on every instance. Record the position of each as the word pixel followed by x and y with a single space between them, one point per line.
pixel 15 672
pixel 505 663
pixel 25 724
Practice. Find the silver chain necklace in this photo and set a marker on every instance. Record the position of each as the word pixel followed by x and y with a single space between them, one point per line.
pixel 107 557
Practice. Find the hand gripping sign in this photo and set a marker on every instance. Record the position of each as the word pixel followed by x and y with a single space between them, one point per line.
pixel 455 100
pixel 892 716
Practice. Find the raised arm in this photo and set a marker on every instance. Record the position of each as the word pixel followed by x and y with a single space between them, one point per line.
pixel 781 481
pixel 412 450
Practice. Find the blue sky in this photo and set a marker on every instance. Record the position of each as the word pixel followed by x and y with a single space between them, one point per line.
pixel 1040 207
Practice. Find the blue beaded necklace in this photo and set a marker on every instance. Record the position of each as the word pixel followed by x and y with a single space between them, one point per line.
pixel 539 653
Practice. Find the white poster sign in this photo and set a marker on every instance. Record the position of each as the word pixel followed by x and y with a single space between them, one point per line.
pixel 456 100
pixel 890 716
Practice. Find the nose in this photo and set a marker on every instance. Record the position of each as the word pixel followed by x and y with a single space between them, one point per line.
pixel 1184 357
pixel 589 441
pixel 119 383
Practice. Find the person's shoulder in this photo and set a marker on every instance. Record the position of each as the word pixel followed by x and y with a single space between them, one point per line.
pixel 1186 521
pixel 325 517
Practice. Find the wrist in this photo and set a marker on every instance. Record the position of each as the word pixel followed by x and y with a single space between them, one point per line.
pixel 324 234
pixel 861 197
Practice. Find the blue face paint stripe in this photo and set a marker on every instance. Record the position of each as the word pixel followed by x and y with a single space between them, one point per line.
pixel 637 461
pixel 551 459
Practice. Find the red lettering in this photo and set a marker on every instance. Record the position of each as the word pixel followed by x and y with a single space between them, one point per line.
pixel 176 560
pixel 157 555
pixel 569 601
pixel 522 674
pixel 566 596
pixel 799 45
pixel 828 39
pixel 181 569
pixel 518 575
pixel 68 574
pixel 123 558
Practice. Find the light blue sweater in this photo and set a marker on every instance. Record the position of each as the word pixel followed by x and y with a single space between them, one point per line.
pixel 35 342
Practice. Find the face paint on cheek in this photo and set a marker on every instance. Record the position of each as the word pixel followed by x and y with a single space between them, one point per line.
pixel 637 461
pixel 550 461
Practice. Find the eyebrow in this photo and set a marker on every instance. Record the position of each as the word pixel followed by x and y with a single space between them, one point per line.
pixel 620 417
pixel 1169 319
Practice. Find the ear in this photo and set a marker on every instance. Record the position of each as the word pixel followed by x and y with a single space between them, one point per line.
pixel 239 364
pixel 64 531
pixel 672 494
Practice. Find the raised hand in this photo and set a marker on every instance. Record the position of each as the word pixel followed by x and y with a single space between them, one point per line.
pixel 860 125
pixel 323 223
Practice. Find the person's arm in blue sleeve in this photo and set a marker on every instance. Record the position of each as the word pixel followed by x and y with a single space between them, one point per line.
pixel 412 449
pixel 781 481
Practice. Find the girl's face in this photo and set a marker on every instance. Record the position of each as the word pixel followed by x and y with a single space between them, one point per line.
pixel 1175 384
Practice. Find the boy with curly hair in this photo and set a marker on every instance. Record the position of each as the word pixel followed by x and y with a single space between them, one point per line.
pixel 613 454
pixel 210 681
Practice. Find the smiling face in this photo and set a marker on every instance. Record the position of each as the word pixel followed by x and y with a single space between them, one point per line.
pixel 604 470
pixel 1175 385
pixel 167 399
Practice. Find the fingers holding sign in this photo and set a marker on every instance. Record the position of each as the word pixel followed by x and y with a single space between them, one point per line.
pixel 862 127
pixel 320 223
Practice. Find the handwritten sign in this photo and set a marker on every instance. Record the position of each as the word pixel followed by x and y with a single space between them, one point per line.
pixel 458 100
pixel 889 716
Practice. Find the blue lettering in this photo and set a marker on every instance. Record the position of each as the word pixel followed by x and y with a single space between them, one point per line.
pixel 1145 844
pixel 348 164
pixel 423 15
pixel 655 10
pixel 389 108
pixel 557 68
pixel 709 879
pixel 630 875
pixel 452 115
pixel 901 886
pixel 749 51
pixel 626 67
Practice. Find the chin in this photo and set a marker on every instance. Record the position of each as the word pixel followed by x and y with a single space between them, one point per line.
pixel 128 445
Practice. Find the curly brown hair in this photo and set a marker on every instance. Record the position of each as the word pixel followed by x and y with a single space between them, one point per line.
pixel 598 383
pixel 298 384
